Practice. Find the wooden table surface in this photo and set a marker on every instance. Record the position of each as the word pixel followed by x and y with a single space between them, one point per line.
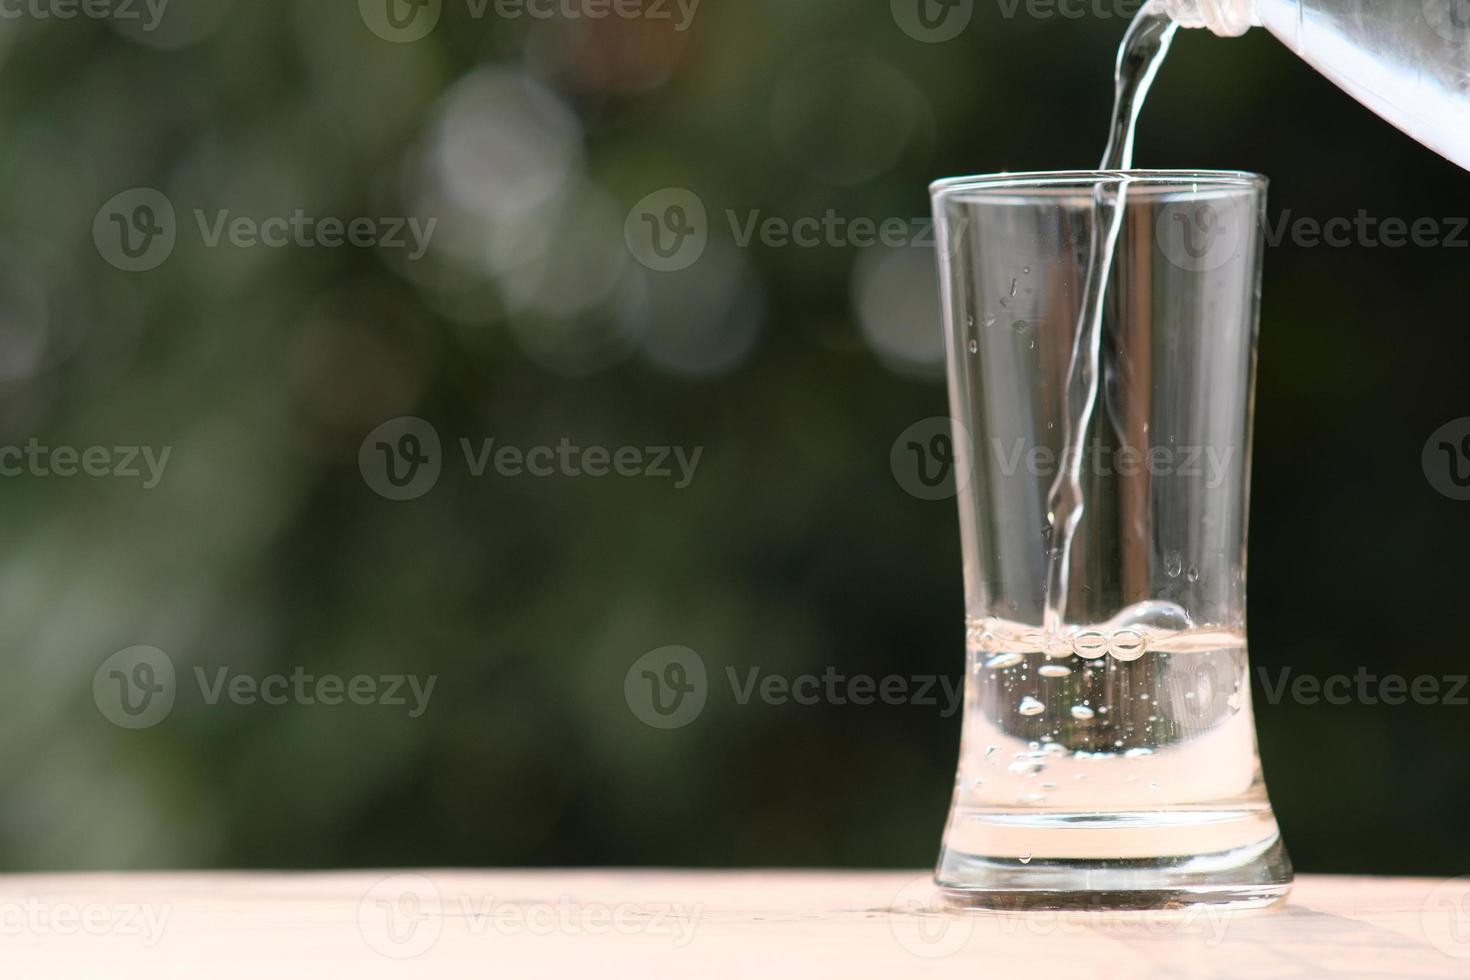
pixel 692 925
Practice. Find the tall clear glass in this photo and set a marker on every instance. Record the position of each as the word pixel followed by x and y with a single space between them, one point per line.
pixel 1108 757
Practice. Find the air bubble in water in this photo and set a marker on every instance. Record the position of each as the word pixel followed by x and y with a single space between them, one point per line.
pixel 1127 645
pixel 1053 670
pixel 1030 707
pixel 1089 644
pixel 1153 614
pixel 1082 712
pixel 1003 660
pixel 1026 858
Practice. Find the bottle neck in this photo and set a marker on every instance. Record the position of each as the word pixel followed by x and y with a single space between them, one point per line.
pixel 1226 18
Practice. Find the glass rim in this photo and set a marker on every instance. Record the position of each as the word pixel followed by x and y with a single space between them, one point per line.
pixel 1043 181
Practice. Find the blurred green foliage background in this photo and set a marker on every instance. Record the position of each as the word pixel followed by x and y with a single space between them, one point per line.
pixel 793 550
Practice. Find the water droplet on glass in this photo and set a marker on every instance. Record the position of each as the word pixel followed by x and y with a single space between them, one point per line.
pixel 1026 858
pixel 1013 285
pixel 974 347
pixel 1026 270
pixel 990 750
pixel 1173 563
pixel 1021 326
pixel 989 321
pixel 1030 707
pixel 1053 670
pixel 1082 712
pixel 1192 574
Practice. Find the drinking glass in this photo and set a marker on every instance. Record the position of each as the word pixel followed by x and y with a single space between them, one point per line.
pixel 1108 756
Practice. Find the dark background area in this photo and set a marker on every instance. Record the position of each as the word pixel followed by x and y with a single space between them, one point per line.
pixel 793 550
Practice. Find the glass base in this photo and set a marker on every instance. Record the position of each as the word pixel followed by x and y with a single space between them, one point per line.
pixel 1059 867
